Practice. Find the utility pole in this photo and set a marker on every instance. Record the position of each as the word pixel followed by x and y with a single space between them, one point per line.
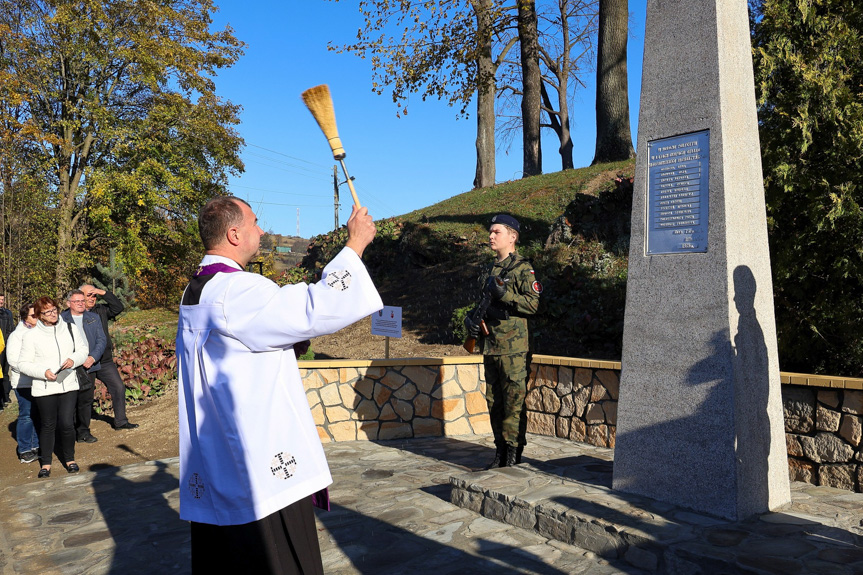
pixel 336 194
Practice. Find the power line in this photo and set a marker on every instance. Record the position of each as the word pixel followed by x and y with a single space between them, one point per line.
pixel 275 191
pixel 269 159
pixel 289 171
pixel 290 205
pixel 286 155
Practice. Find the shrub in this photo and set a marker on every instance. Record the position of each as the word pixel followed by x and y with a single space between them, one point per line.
pixel 147 366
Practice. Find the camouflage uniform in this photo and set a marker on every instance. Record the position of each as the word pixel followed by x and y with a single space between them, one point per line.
pixel 505 348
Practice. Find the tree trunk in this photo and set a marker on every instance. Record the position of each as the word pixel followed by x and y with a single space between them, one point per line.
pixel 613 138
pixel 559 122
pixel 531 79
pixel 485 94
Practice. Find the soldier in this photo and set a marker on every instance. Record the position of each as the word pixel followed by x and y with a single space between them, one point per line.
pixel 510 283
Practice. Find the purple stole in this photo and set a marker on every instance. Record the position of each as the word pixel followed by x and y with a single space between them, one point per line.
pixel 215 268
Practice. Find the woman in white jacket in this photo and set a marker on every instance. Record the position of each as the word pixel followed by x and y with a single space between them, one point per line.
pixel 25 431
pixel 50 352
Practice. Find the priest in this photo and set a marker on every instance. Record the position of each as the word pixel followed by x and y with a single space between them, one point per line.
pixel 251 460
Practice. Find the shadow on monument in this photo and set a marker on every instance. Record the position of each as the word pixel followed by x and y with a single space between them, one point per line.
pixel 721 438
pixel 148 535
pixel 375 546
pixel 752 424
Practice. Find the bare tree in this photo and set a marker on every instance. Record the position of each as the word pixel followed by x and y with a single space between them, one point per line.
pixel 441 48
pixel 567 29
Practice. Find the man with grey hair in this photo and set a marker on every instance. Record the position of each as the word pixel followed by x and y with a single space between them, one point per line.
pixel 90 326
pixel 108 372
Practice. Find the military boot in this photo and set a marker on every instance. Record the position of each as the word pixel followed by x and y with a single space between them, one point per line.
pixel 511 457
pixel 499 458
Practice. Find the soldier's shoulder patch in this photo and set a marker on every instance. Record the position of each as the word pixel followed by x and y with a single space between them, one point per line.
pixel 537 287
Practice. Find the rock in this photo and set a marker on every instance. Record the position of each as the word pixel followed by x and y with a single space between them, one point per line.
pixel 798 405
pixel 567 406
pixel 405 409
pixel 829 397
pixel 826 448
pixel 610 409
pixel 565 379
pixel 597 435
pixel 826 419
pixel 598 392
pixel 550 400
pixel 837 475
pixel 579 399
pixel 476 403
pixel 562 426
pixel 406 392
pixel 853 402
pixel 423 377
pixel 422 405
pixel 595 414
pixel 577 430
pixel 541 423
pixel 610 381
pixel 427 427
pixel 792 445
pixel 582 376
pixel 851 429
pixel 533 399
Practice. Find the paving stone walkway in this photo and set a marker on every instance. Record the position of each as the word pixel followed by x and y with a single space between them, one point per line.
pixel 391 515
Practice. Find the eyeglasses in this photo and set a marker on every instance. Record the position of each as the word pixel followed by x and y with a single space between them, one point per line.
pixel 77 301
pixel 49 311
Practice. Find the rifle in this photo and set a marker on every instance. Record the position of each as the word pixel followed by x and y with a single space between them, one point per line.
pixel 478 316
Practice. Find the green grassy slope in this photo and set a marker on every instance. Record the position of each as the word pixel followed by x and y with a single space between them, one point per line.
pixel 575 228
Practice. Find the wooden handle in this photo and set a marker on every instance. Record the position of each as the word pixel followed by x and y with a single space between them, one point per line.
pixel 350 184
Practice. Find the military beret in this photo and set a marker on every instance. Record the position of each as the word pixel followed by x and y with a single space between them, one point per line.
pixel 506 220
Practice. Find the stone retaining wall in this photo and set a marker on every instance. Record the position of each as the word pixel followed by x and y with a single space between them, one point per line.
pixel 392 399
pixel 577 399
pixel 567 397
pixel 573 398
pixel 823 435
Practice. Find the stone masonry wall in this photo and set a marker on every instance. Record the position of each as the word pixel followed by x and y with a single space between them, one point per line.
pixel 566 397
pixel 579 403
pixel 823 426
pixel 823 435
pixel 396 401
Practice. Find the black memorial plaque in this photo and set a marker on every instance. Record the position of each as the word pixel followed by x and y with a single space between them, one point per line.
pixel 677 186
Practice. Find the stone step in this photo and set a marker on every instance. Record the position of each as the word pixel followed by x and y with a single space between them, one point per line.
pixel 571 501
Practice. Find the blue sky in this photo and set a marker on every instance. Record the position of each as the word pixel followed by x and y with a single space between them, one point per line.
pixel 399 164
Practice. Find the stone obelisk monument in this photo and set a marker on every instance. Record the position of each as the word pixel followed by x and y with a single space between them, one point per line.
pixel 700 417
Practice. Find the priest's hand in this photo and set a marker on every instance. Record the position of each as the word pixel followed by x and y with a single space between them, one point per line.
pixel 361 229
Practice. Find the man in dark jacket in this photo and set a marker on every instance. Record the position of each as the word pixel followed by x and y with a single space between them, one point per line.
pixel 89 324
pixel 7 326
pixel 108 373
